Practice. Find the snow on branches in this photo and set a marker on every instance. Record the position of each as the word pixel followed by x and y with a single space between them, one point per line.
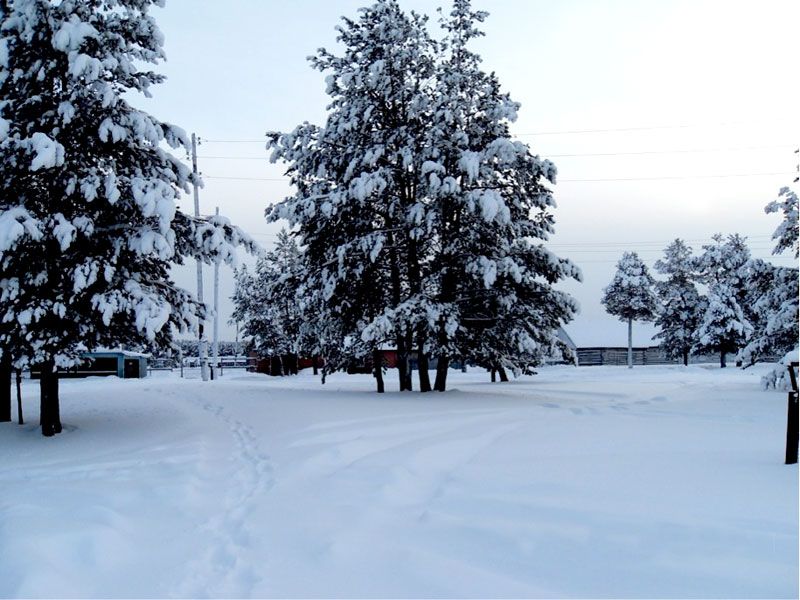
pixel 88 240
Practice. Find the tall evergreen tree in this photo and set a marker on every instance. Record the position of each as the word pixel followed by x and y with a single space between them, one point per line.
pixel 417 210
pixel 727 322
pixel 773 298
pixel 630 295
pixel 786 235
pixel 490 209
pixel 356 179
pixel 680 305
pixel 266 303
pixel 777 303
pixel 89 227
pixel 724 328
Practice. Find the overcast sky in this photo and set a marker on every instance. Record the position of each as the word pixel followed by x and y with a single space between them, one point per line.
pixel 655 98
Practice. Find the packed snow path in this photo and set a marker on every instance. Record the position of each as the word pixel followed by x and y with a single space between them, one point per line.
pixel 593 482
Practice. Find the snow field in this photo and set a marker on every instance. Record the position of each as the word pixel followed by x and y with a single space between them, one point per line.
pixel 592 482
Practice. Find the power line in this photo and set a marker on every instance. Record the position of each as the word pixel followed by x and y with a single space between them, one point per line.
pixel 675 151
pixel 671 177
pixel 649 128
pixel 576 131
pixel 659 178
pixel 591 154
pixel 248 178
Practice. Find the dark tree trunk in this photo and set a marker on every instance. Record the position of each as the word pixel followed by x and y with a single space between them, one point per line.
pixel 409 371
pixel 685 358
pixel 275 366
pixel 502 372
pixel 494 374
pixel 315 365
pixel 402 362
pixel 440 385
pixel 422 366
pixel 722 363
pixel 5 388
pixel 377 369
pixel 19 397
pixel 50 418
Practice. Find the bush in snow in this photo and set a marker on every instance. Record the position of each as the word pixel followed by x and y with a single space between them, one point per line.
pixel 630 295
pixel 89 226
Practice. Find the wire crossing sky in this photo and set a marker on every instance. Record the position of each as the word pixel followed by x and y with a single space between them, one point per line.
pixel 669 119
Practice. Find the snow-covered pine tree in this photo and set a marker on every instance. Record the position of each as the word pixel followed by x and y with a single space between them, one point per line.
pixel 88 221
pixel 266 303
pixel 772 295
pixel 776 331
pixel 722 266
pixel 680 305
pixel 357 205
pixel 786 234
pixel 724 327
pixel 489 210
pixel 630 295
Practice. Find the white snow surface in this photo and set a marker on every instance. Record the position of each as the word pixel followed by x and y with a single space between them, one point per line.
pixel 577 482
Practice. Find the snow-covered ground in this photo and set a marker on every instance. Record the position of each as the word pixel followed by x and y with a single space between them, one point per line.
pixel 591 482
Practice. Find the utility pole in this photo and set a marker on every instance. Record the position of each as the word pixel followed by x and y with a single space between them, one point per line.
pixel 202 345
pixel 215 342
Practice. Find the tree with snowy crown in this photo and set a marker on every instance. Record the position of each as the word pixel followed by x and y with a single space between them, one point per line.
pixel 415 184
pixel 266 303
pixel 726 324
pixel 774 289
pixel 356 181
pixel 630 295
pixel 494 301
pixel 88 224
pixel 773 298
pixel 681 306
pixel 786 233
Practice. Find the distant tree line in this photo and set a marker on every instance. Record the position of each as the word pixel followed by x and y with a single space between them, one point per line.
pixel 749 307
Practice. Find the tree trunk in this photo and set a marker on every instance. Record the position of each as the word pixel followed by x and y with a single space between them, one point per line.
pixel 377 369
pixel 630 343
pixel 20 420
pixel 685 358
pixel 440 385
pixel 5 388
pixel 50 419
pixel 275 366
pixel 502 372
pixel 494 374
pixel 722 363
pixel 314 365
pixel 422 366
pixel 402 364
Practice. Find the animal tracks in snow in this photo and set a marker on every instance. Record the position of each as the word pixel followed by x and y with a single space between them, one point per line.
pixel 225 568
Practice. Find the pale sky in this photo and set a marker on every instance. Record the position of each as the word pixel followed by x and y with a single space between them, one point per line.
pixel 695 89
